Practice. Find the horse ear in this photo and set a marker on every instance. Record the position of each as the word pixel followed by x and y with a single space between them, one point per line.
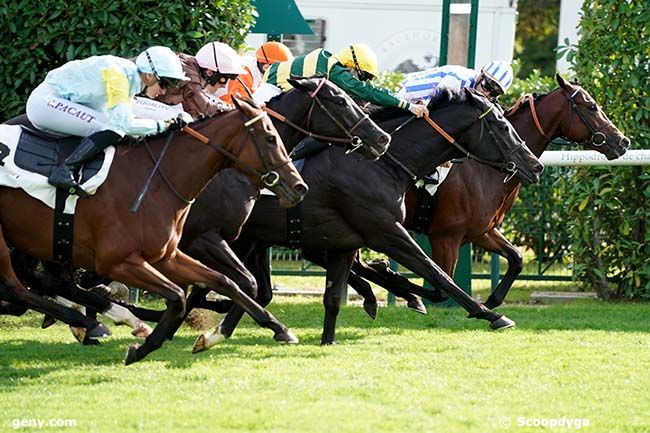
pixel 301 83
pixel 236 102
pixel 561 81
pixel 243 106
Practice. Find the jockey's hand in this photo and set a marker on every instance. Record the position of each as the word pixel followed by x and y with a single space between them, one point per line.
pixel 174 124
pixel 184 117
pixel 418 110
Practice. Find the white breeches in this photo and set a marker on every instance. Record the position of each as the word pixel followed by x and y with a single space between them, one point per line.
pixel 48 111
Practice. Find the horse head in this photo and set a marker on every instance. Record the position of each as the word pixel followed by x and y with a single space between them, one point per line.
pixel 508 151
pixel 267 161
pixel 590 127
pixel 332 112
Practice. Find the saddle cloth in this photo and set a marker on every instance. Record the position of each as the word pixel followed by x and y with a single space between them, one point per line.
pixel 27 159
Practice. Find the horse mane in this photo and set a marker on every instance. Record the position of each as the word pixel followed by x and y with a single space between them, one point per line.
pixel 442 98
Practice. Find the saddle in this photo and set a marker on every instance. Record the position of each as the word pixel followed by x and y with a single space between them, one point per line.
pixel 40 152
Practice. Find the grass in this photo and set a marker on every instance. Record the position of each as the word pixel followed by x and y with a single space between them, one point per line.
pixel 401 373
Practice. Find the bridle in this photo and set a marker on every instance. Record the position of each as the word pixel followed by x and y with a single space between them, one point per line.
pixel 597 138
pixel 269 178
pixel 510 167
pixel 354 141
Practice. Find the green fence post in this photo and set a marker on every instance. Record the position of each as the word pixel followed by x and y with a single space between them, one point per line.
pixel 473 24
pixel 391 298
pixel 495 270
pixel 444 33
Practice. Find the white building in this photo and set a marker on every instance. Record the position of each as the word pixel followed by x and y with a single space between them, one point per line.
pixel 405 34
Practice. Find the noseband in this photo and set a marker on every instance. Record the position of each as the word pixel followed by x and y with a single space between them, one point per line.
pixel 354 141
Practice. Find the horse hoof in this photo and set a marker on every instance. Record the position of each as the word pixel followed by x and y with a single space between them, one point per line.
pixel 99 331
pixel 141 331
pixel 286 337
pixel 90 342
pixel 328 343
pixel 417 306
pixel 502 323
pixel 47 321
pixel 131 354
pixel 371 310
pixel 78 333
pixel 199 344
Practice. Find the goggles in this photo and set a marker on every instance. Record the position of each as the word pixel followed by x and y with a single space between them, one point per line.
pixel 220 78
pixel 168 83
pixel 491 86
pixel 365 76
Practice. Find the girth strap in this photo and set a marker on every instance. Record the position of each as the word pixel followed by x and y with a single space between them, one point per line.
pixel 423 211
pixel 294 226
pixel 63 229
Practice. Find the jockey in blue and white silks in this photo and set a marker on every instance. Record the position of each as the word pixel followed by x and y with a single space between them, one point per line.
pixel 492 80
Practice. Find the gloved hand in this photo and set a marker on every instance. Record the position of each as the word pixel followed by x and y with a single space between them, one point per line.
pixel 185 117
pixel 418 110
pixel 175 124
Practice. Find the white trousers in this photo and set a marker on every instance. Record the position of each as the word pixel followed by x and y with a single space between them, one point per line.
pixel 48 111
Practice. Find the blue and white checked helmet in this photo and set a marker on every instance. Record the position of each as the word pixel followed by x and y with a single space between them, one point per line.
pixel 500 72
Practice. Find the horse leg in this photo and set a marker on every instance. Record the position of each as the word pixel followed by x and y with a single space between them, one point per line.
pixel 213 251
pixel 359 285
pixel 495 242
pixel 338 269
pixel 13 291
pixel 257 264
pixel 382 275
pixel 137 272
pixel 59 280
pixel 396 243
pixel 185 270
pixel 11 309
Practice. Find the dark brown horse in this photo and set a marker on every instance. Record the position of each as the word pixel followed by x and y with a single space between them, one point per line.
pixel 353 203
pixel 472 202
pixel 141 249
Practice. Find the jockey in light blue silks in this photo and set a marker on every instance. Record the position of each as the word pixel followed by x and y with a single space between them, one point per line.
pixel 492 80
pixel 92 98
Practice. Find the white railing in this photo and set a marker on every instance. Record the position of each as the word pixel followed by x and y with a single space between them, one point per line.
pixel 591 157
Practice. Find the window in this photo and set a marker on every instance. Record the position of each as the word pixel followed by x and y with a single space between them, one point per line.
pixel 303 44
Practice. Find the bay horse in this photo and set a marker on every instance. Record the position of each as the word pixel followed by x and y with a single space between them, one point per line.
pixel 472 202
pixel 354 203
pixel 314 107
pixel 141 249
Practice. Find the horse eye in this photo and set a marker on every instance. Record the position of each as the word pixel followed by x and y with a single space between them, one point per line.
pixel 270 139
pixel 341 102
pixel 593 107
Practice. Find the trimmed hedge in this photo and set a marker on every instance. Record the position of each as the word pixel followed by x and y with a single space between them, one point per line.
pixel 40 36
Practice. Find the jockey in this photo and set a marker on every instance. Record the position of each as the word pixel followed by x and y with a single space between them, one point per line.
pixel 92 98
pixel 208 71
pixel 255 66
pixel 351 69
pixel 492 80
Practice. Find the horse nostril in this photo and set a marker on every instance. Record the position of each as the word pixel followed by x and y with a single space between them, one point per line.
pixel 301 188
pixel 539 168
pixel 625 142
pixel 383 139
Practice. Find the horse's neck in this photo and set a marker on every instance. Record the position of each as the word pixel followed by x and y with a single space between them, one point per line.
pixel 191 164
pixel 550 112
pixel 294 108
pixel 423 154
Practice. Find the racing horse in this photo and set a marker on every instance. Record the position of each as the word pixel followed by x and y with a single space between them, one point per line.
pixel 141 248
pixel 472 202
pixel 354 203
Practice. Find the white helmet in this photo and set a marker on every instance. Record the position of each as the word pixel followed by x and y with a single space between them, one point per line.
pixel 161 62
pixel 220 57
pixel 500 73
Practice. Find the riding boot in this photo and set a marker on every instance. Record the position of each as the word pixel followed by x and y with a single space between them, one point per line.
pixel 62 176
pixel 308 146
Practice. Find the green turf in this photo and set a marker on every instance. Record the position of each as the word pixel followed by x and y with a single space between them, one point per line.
pixel 400 373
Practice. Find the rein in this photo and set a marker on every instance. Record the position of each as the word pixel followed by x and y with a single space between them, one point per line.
pixel 354 141
pixel 508 167
pixel 269 179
